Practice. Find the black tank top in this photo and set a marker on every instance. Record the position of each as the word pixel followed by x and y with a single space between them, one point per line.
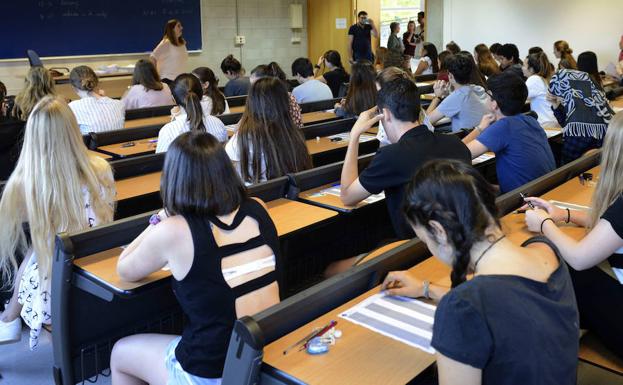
pixel 205 297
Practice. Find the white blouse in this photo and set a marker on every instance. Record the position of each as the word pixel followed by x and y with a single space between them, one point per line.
pixel 180 125
pixel 98 113
pixel 171 60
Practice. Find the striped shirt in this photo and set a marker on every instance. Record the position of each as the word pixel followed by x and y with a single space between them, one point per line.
pixel 98 113
pixel 206 105
pixel 180 125
pixel 140 97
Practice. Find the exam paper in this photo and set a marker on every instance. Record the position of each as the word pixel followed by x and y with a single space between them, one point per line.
pixel 403 319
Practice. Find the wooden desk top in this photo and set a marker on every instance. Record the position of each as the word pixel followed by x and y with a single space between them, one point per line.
pixel 100 155
pixel 142 146
pixel 317 116
pixel 617 103
pixel 138 185
pixel 333 201
pixel 153 121
pixel 324 144
pixel 236 110
pixel 349 361
pixel 288 216
pixel 361 356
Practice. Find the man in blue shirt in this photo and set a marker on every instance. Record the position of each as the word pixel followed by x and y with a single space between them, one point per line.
pixel 522 152
pixel 359 44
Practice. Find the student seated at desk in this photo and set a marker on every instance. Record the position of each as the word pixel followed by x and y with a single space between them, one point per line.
pixel 384 77
pixel 334 74
pixel 238 84
pixel 510 61
pixel 539 71
pixel 563 52
pixel 310 89
pixel 522 151
pixel 267 144
pixel 223 251
pixel 57 186
pixel 466 105
pixel 213 101
pixel 94 112
pixel 361 94
pixel 582 110
pixel 187 94
pixel 37 85
pixel 597 259
pixel 443 66
pixel 516 320
pixel 147 90
pixel 485 62
pixel 393 165
pixel 429 60
pixel 273 70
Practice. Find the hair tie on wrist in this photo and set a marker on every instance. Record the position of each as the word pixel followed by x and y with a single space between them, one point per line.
pixel 568 216
pixel 545 220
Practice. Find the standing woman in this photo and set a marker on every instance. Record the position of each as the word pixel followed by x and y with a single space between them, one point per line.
pixel 213 101
pixel 395 48
pixel 486 63
pixel 222 249
pixel 596 259
pixel 539 71
pixel 57 186
pixel 171 56
pixel 361 91
pixel 563 52
pixel 147 90
pixel 335 75
pixel 429 62
pixel 37 85
pixel 187 93
pixel 410 40
pixel 267 144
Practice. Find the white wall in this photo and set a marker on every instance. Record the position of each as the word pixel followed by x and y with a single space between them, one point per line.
pixel 264 23
pixel 593 25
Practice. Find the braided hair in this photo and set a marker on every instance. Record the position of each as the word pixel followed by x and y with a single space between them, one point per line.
pixel 458 197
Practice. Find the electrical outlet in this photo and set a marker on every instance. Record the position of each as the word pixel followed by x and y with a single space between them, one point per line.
pixel 240 40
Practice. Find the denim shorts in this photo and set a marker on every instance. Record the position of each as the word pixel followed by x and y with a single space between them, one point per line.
pixel 177 375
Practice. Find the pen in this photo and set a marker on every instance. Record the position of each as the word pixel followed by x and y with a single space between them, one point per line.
pixel 319 333
pixel 523 196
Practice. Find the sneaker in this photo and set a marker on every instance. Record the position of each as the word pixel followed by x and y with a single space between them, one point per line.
pixel 10 332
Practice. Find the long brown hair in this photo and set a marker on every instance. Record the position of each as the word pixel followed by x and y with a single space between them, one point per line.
pixel 361 90
pixel 486 63
pixel 206 75
pixel 187 92
pixel 267 131
pixel 169 33
pixel 566 58
pixel 37 84
pixel 146 75
pixel 540 65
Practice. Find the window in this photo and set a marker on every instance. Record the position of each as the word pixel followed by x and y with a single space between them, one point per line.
pixel 398 10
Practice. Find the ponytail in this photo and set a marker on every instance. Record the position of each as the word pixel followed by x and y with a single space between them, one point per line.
pixel 540 65
pixel 457 197
pixel 194 112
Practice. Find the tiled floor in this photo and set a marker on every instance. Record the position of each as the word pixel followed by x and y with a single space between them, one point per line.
pixel 20 366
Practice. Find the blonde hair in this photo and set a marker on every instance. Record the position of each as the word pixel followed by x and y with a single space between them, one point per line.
pixel 37 84
pixel 46 188
pixel 610 184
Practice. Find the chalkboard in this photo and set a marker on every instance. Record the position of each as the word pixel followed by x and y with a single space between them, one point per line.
pixel 93 27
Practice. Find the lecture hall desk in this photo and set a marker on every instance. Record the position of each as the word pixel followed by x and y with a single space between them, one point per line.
pixel 309 117
pixel 365 357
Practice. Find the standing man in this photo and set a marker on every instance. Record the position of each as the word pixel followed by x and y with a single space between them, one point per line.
pixel 419 35
pixel 359 42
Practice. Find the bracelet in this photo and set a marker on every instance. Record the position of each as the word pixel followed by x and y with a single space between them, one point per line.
pixel 477 128
pixel 154 219
pixel 545 220
pixel 568 216
pixel 426 291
